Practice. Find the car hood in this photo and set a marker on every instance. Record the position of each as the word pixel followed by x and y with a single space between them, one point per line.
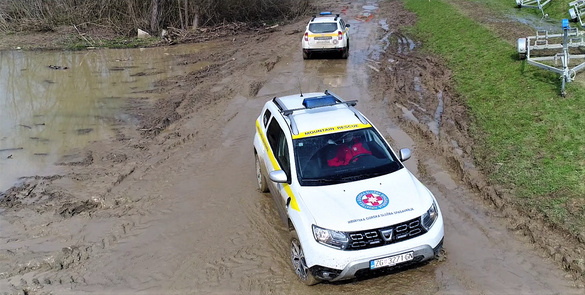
pixel 368 203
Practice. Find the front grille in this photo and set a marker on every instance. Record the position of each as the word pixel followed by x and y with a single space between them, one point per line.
pixel 386 235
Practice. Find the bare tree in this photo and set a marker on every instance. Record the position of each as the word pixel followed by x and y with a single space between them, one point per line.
pixel 125 16
pixel 186 14
pixel 154 20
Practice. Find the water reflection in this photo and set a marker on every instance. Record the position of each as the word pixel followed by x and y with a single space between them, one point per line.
pixel 51 102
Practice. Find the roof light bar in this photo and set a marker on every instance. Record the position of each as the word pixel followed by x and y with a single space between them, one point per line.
pixel 325 13
pixel 319 101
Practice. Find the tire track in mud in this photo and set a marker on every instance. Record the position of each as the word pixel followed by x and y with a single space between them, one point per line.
pixel 240 268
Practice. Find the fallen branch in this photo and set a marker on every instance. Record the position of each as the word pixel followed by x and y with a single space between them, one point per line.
pixel 81 35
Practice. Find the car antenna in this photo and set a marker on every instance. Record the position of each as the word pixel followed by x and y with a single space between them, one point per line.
pixel 300 88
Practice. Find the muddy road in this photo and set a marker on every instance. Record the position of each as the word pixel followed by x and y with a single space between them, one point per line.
pixel 172 207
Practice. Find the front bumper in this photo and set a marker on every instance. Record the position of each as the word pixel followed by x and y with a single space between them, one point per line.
pixel 362 268
pixel 335 265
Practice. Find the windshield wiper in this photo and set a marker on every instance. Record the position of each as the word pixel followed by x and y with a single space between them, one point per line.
pixel 359 176
pixel 320 180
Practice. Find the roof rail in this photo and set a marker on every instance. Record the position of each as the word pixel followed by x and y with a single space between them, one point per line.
pixel 336 16
pixel 314 16
pixel 337 100
pixel 277 102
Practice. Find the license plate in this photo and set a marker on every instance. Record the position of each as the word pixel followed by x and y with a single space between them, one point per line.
pixel 322 38
pixel 392 260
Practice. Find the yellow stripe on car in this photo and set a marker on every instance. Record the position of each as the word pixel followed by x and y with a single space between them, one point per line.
pixel 293 200
pixel 331 130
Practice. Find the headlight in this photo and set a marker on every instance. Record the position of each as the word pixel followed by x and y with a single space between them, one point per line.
pixel 331 238
pixel 428 219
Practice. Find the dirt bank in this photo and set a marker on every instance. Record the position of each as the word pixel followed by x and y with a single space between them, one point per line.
pixel 170 206
pixel 418 111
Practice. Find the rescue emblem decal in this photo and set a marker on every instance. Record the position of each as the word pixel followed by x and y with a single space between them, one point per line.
pixel 372 200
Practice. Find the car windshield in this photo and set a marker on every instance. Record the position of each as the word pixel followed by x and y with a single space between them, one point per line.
pixel 343 157
pixel 323 27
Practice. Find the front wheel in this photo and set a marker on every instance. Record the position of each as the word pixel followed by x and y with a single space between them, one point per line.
pixel 297 257
pixel 262 185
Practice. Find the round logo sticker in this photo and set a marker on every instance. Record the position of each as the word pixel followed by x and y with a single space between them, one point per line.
pixel 372 200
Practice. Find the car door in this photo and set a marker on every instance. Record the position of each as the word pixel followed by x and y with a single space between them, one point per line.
pixel 280 151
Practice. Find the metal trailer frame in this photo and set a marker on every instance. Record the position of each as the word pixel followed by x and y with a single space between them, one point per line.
pixel 534 4
pixel 577 11
pixel 570 38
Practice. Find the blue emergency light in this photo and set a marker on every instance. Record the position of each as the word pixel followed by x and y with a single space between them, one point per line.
pixel 319 101
pixel 325 13
pixel 565 23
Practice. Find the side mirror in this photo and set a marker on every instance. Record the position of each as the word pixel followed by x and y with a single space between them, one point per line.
pixel 347 25
pixel 278 176
pixel 404 154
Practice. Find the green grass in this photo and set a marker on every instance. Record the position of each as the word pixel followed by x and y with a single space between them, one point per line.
pixel 531 138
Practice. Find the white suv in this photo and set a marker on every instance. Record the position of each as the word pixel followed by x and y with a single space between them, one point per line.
pixel 326 33
pixel 349 202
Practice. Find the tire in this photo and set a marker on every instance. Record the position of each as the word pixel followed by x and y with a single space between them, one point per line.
pixel 306 55
pixel 262 184
pixel 345 53
pixel 297 257
pixel 521 56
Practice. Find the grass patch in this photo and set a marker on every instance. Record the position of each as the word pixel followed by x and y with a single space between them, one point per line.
pixel 529 137
pixel 75 42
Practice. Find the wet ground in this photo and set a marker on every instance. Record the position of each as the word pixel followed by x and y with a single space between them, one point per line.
pixel 171 206
pixel 53 103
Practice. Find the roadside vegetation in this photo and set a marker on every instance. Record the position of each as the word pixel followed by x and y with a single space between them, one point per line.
pixel 122 18
pixel 528 138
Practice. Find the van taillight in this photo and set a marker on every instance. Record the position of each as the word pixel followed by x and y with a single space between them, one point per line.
pixel 340 35
pixel 306 36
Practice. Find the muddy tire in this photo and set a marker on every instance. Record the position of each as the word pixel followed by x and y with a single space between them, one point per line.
pixel 262 184
pixel 345 53
pixel 306 55
pixel 297 257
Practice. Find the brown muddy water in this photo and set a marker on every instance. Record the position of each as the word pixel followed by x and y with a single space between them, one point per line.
pixel 55 102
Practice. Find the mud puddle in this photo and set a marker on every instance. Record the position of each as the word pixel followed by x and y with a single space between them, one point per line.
pixel 55 102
